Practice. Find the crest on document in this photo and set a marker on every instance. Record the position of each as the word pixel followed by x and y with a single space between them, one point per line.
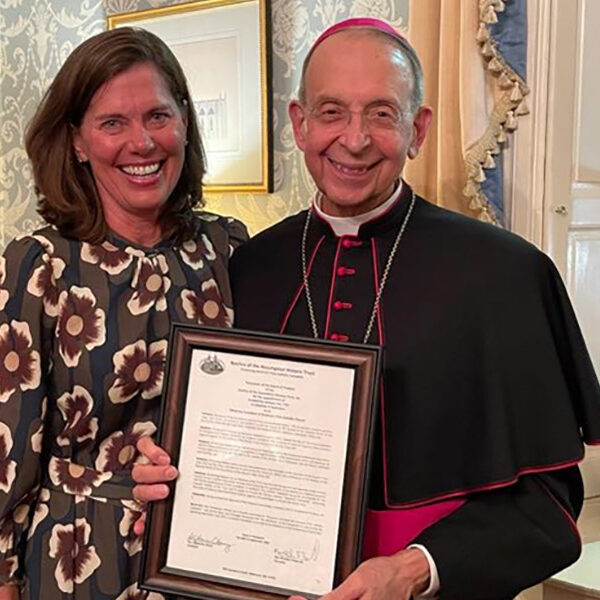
pixel 211 365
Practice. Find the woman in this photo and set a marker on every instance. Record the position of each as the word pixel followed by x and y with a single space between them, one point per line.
pixel 85 309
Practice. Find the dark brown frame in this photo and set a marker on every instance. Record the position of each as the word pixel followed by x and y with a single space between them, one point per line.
pixel 365 359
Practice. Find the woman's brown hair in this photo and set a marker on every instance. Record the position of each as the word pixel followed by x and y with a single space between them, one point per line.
pixel 67 195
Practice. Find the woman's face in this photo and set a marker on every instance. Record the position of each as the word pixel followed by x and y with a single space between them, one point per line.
pixel 133 135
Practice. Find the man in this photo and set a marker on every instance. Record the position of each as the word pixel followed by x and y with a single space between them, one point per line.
pixel 486 378
pixel 486 381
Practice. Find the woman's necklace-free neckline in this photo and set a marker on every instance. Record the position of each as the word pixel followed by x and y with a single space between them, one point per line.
pixel 382 281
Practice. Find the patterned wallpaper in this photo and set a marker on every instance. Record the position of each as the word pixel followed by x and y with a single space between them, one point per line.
pixel 37 35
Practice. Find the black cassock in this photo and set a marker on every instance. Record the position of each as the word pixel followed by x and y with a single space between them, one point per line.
pixel 488 390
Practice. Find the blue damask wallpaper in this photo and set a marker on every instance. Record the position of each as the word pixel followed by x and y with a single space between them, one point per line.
pixel 37 35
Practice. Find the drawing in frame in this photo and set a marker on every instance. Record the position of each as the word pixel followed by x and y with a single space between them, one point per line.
pixel 271 435
pixel 224 49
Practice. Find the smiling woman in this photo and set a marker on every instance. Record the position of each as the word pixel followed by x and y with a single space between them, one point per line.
pixel 86 305
pixel 124 93
pixel 133 136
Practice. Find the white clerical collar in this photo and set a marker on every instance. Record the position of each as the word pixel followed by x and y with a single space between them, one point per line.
pixel 350 225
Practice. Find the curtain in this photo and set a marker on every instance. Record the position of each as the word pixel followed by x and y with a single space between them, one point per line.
pixel 473 54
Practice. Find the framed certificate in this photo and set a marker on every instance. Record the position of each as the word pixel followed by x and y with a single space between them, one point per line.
pixel 271 435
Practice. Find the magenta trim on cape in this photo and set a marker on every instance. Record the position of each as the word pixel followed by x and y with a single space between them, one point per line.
pixel 485 487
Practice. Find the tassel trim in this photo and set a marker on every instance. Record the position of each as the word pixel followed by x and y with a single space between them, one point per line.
pixel 504 117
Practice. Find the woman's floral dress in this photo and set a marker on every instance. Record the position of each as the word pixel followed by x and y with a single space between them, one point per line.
pixel 83 341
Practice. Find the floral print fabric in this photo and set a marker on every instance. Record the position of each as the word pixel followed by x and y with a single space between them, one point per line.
pixel 83 345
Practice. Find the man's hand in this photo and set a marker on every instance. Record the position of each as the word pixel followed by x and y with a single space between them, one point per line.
pixel 151 477
pixel 396 577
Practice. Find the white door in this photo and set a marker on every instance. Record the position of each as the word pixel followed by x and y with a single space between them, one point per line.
pixel 572 186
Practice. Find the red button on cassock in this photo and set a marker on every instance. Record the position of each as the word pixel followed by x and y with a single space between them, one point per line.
pixel 339 337
pixel 339 305
pixel 348 243
pixel 342 271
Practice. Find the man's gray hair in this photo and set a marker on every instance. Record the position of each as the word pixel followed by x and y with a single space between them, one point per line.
pixel 407 51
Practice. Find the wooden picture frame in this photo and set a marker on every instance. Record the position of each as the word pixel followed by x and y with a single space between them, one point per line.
pixel 204 363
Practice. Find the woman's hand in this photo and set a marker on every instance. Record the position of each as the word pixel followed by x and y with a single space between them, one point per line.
pixel 150 477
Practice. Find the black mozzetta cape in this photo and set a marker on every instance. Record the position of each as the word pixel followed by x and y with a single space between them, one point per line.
pixel 486 372
pixel 488 391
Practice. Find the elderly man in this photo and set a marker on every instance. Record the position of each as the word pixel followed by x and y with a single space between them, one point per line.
pixel 486 373
pixel 487 383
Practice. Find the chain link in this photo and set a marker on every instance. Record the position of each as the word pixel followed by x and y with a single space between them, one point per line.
pixel 311 310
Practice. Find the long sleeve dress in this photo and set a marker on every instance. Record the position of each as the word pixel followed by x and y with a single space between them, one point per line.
pixel 83 342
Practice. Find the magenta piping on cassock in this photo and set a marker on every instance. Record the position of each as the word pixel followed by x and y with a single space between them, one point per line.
pixel 564 512
pixel 381 388
pixel 380 305
pixel 331 286
pixel 388 531
pixel 301 287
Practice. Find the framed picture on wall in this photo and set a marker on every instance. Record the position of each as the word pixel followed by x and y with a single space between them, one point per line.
pixel 224 49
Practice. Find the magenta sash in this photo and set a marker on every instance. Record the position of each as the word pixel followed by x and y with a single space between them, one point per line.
pixel 387 531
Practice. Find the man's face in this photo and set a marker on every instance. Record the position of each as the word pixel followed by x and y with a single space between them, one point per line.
pixel 355 126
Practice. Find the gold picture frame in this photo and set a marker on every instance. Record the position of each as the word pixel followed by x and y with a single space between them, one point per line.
pixel 224 49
